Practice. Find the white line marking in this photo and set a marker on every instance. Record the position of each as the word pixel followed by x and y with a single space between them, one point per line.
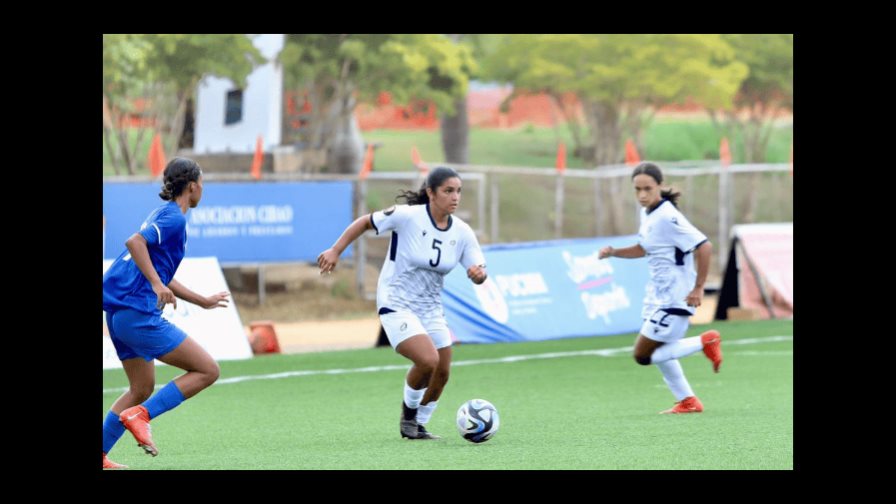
pixel 607 352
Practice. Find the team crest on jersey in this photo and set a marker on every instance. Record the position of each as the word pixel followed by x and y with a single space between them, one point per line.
pixel 675 220
pixel 453 242
pixel 424 232
pixel 389 211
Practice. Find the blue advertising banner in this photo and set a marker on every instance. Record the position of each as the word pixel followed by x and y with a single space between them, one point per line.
pixel 547 290
pixel 240 222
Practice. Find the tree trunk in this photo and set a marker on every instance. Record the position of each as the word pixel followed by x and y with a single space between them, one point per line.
pixel 572 122
pixel 604 119
pixel 455 132
pixel 109 130
pixel 346 151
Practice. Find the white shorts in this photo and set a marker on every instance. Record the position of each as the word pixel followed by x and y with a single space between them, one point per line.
pixel 401 325
pixel 665 327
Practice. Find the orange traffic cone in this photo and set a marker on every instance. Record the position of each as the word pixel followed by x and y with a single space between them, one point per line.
pixel 631 153
pixel 561 158
pixel 725 152
pixel 156 159
pixel 257 159
pixel 367 167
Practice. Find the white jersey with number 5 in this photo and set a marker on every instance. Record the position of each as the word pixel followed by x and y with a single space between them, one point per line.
pixel 419 257
pixel 668 238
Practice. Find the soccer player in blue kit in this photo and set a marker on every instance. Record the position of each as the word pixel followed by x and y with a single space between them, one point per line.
pixel 427 243
pixel 136 287
pixel 671 244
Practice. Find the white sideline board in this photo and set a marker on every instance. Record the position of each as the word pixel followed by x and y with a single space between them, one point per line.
pixel 218 330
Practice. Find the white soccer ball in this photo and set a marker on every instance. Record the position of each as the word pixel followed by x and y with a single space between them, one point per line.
pixel 477 420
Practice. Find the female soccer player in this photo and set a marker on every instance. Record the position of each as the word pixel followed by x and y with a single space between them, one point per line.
pixel 427 243
pixel 671 245
pixel 136 288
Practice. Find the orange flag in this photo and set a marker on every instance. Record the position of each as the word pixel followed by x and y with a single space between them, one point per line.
pixel 791 158
pixel 156 158
pixel 257 159
pixel 631 153
pixel 415 158
pixel 561 158
pixel 725 152
pixel 367 167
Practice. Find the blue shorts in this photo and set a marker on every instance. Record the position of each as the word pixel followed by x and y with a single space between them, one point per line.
pixel 139 334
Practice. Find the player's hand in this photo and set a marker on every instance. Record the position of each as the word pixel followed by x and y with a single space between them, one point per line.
pixel 605 252
pixel 164 296
pixel 695 297
pixel 218 300
pixel 476 273
pixel 327 261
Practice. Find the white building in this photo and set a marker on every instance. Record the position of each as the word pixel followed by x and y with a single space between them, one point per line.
pixel 229 119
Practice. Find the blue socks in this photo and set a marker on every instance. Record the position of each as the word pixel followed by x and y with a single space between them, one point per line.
pixel 169 397
pixel 112 431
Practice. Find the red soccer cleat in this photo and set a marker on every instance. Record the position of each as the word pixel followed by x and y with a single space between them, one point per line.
pixel 136 420
pixel 686 405
pixel 712 347
pixel 108 464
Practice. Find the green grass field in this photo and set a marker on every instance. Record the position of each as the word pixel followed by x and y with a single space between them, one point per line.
pixel 572 410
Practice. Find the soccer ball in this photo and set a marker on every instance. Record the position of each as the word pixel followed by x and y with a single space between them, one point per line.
pixel 477 420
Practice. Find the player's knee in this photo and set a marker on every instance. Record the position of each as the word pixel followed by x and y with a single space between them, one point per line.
pixel 428 364
pixel 642 360
pixel 212 373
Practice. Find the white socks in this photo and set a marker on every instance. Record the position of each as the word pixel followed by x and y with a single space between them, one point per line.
pixel 673 375
pixel 412 397
pixel 676 350
pixel 424 412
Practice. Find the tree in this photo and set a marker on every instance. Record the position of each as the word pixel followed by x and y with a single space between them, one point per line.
pixel 767 91
pixel 455 128
pixel 333 72
pixel 164 70
pixel 619 81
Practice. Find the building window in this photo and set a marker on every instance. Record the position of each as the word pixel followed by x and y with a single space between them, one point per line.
pixel 233 107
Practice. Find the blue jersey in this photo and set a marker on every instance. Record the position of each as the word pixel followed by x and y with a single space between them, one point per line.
pixel 124 285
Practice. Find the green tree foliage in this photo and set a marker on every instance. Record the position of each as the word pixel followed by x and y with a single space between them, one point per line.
pixel 165 70
pixel 619 80
pixel 335 71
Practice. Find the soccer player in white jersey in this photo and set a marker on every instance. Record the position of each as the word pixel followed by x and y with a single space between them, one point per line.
pixel 427 243
pixel 671 244
pixel 136 287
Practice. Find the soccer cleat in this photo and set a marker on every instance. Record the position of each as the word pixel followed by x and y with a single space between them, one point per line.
pixel 687 405
pixel 136 420
pixel 712 347
pixel 408 426
pixel 108 464
pixel 422 433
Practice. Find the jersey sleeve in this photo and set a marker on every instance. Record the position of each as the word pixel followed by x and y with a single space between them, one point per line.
pixel 160 227
pixel 682 233
pixel 390 218
pixel 472 253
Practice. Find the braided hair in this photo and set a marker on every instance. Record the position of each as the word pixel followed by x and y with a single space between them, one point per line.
pixel 178 173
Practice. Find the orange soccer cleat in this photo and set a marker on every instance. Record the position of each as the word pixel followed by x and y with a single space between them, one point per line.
pixel 108 464
pixel 687 405
pixel 712 347
pixel 136 420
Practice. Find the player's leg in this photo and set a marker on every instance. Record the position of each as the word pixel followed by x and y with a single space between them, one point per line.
pixel 141 380
pixel 421 351
pixel 668 330
pixel 436 385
